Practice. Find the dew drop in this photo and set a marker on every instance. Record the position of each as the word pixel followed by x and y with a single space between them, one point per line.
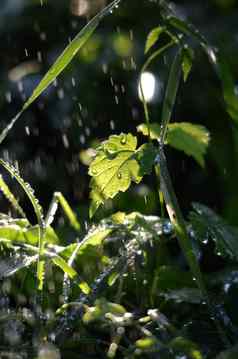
pixel 123 139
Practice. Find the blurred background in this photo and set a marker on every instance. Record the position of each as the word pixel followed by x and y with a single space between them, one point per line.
pixel 97 95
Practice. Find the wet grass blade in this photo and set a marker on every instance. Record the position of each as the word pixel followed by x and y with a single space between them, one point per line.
pixel 10 197
pixel 39 215
pixel 170 94
pixel 62 61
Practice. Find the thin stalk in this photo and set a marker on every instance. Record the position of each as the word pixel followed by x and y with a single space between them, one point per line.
pixel 144 68
pixel 178 222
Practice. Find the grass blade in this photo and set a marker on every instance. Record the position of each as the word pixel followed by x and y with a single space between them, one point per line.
pixel 10 197
pixel 39 215
pixel 170 94
pixel 62 61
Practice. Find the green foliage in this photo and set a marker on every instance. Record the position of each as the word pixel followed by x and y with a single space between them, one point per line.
pixel 118 162
pixel 188 56
pixel 184 136
pixel 132 285
pixel 209 226
pixel 153 37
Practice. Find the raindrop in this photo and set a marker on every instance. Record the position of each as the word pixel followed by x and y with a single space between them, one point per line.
pixel 43 36
pixel 65 141
pixel 8 96
pixel 119 175
pixel 167 228
pixel 112 125
pixel 39 56
pixel 73 81
pixel 27 130
pixel 123 140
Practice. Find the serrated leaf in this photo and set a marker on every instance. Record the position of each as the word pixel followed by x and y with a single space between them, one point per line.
pixel 27 235
pixel 116 165
pixel 189 138
pixel 153 37
pixel 208 225
pixel 187 62
pixel 184 136
pixel 154 130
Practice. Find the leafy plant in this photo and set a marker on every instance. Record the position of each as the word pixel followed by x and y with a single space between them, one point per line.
pixel 148 264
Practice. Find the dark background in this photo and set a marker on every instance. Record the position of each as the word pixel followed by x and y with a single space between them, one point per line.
pixel 98 95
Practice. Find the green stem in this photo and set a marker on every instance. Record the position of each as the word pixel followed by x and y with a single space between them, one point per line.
pixel 178 222
pixel 144 68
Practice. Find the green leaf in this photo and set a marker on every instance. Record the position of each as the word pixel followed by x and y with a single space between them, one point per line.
pixel 184 136
pixel 93 239
pixel 27 235
pixel 189 138
pixel 62 61
pixel 153 37
pixel 187 62
pixel 116 165
pixel 154 130
pixel 208 225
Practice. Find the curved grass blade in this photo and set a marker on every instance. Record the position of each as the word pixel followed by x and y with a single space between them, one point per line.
pixel 62 61
pixel 71 273
pixel 10 197
pixel 67 210
pixel 170 95
pixel 39 215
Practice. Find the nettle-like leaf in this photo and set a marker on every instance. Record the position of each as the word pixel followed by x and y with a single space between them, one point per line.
pixel 184 136
pixel 153 37
pixel 208 225
pixel 187 62
pixel 118 162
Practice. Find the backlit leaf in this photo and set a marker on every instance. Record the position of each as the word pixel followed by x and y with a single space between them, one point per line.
pixel 153 37
pixel 184 136
pixel 187 62
pixel 116 165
